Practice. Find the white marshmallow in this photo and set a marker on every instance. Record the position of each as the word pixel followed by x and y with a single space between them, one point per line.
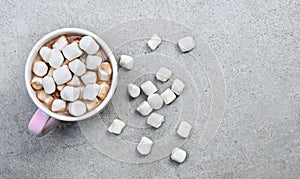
pixel 58 105
pixel 91 91
pixel 155 101
pixel 56 58
pixel 75 81
pixel 89 45
pixel 126 62
pixel 116 126
pixel 90 105
pixel 178 155
pixel 44 97
pixel 40 68
pixel 37 83
pixel 177 86
pixel 168 96
pixel 60 43
pixel 145 145
pixel 105 66
pixel 133 90
pixel 148 88
pixel 45 53
pixel 49 85
pixel 186 44
pixel 154 41
pixel 184 129
pixel 70 93
pixel 163 74
pixel 144 109
pixel 77 108
pixel 103 76
pixel 155 120
pixel 104 88
pixel 89 77
pixel 77 67
pixel 72 51
pixel 93 62
pixel 62 75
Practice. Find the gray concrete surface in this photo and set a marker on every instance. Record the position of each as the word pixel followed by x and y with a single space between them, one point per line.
pixel 257 42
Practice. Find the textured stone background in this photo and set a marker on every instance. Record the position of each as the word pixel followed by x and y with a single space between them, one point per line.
pixel 257 42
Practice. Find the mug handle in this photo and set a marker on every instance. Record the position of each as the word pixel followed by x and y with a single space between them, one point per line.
pixel 41 123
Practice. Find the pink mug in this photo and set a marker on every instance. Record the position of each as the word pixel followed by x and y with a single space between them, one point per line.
pixel 44 119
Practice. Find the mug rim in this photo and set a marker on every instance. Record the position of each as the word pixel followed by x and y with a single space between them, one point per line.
pixel 35 50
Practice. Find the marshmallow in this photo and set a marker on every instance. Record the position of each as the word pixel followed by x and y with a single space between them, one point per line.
pixel 103 76
pixel 178 155
pixel 104 88
pixel 163 74
pixel 49 85
pixel 77 108
pixel 89 45
pixel 91 91
pixel 148 88
pixel 184 129
pixel 56 58
pixel 144 108
pixel 77 67
pixel 133 90
pixel 72 51
pixel 186 44
pixel 40 68
pixel 155 101
pixel 93 62
pixel 60 87
pixel 62 75
pixel 105 66
pixel 89 77
pixel 69 93
pixel 155 120
pixel 168 96
pixel 145 145
pixel 45 53
pixel 177 86
pixel 116 126
pixel 37 83
pixel 75 81
pixel 44 97
pixel 154 41
pixel 126 62
pixel 58 105
pixel 60 43
pixel 90 105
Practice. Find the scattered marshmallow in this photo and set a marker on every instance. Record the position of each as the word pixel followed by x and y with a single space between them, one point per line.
pixel 75 81
pixel 168 96
pixel 90 105
pixel 70 93
pixel 72 51
pixel 155 120
pixel 58 105
pixel 155 101
pixel 91 91
pixel 163 74
pixel 40 68
pixel 144 109
pixel 178 155
pixel 45 53
pixel 77 108
pixel 93 62
pixel 56 58
pixel 177 86
pixel 184 129
pixel 77 67
pixel 133 90
pixel 89 45
pixel 126 62
pixel 89 77
pixel 186 44
pixel 49 85
pixel 37 83
pixel 154 41
pixel 104 88
pixel 60 43
pixel 148 88
pixel 44 97
pixel 116 126
pixel 103 76
pixel 62 75
pixel 145 145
